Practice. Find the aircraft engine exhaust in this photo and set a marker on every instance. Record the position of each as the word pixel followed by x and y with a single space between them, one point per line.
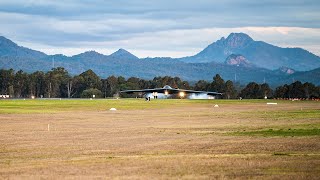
pixel 200 96
pixel 160 96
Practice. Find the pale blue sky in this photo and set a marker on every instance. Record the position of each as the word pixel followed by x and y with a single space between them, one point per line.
pixel 156 28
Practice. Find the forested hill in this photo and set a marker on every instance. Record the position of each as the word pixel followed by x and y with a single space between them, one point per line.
pixel 235 66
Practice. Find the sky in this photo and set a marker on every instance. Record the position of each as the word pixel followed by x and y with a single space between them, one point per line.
pixel 156 28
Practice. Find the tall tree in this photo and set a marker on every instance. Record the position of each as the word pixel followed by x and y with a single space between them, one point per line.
pixel 265 90
pixel 57 80
pixel 296 90
pixel 282 91
pixel 311 91
pixel 217 84
pixel 201 85
pixel 230 91
pixel 6 81
pixel 251 91
pixel 20 84
pixel 86 80
pixel 104 88
pixel 112 86
pixel 70 87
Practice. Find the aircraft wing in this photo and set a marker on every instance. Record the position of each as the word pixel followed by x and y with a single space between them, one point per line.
pixel 158 90
pixel 171 91
pixel 198 92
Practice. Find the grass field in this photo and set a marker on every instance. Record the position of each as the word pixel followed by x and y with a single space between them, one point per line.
pixel 160 139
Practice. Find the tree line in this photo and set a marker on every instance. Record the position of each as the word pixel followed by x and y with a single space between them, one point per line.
pixel 58 83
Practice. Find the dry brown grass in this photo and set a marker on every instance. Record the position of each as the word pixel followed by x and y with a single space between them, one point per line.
pixel 188 142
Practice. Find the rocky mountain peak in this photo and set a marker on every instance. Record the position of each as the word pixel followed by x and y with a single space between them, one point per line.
pixel 286 70
pixel 221 49
pixel 237 60
pixel 236 40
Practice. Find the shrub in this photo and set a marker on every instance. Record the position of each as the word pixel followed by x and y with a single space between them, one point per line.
pixel 89 92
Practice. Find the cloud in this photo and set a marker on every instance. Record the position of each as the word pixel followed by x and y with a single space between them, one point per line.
pixel 187 42
pixel 227 13
pixel 161 28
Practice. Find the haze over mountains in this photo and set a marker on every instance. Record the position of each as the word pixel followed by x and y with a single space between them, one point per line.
pixel 237 57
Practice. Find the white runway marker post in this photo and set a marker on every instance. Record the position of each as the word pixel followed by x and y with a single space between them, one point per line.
pixel 271 103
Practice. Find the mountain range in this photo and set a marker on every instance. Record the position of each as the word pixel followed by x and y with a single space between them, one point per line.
pixel 259 53
pixel 237 57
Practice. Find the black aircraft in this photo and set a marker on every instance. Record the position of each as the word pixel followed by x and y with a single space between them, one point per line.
pixel 167 90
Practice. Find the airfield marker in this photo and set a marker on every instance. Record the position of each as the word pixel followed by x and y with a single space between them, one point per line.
pixel 48 127
pixel 271 103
